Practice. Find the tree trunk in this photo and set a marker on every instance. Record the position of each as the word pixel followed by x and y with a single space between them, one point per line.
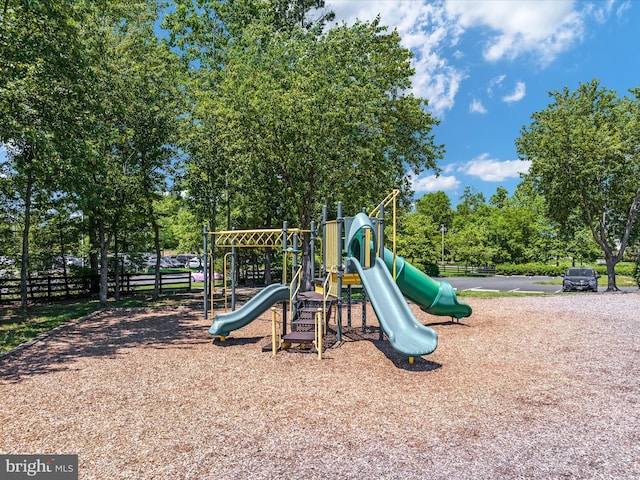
pixel 611 272
pixel 116 267
pixel 104 249
pixel 93 254
pixel 156 243
pixel 63 254
pixel 25 239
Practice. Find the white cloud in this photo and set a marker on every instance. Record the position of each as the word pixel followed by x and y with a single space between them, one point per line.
pixel 495 82
pixel 433 183
pixel 492 170
pixel 518 93
pixel 433 29
pixel 544 28
pixel 425 29
pixel 476 106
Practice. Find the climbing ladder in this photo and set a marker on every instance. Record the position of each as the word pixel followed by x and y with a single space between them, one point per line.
pixel 303 324
pixel 306 326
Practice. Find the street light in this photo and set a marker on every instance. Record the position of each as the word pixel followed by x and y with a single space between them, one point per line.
pixel 443 229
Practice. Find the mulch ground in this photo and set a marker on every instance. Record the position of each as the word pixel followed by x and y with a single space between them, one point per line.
pixel 529 387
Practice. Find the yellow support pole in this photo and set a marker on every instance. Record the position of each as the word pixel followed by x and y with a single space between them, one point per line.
pixel 319 332
pixel 274 346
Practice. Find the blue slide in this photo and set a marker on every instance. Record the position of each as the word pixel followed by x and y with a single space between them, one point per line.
pixel 225 323
pixel 406 334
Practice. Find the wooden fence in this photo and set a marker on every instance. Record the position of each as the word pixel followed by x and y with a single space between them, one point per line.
pixel 468 269
pixel 58 288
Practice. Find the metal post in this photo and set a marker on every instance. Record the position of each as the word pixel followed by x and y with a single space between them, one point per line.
pixel 284 252
pixel 443 229
pixel 312 254
pixel 381 230
pixel 295 255
pixel 206 282
pixel 349 306
pixel 364 311
pixel 233 272
pixel 340 221
pixel 324 242
pixel 284 275
pixel 393 271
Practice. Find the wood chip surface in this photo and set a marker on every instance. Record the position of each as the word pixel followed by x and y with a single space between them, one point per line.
pixel 527 387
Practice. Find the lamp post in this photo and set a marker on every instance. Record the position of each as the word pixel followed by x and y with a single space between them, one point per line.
pixel 443 229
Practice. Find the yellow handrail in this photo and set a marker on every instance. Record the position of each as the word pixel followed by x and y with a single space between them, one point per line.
pixel 294 290
pixel 326 290
pixel 392 197
pixel 387 200
pixel 276 336
pixel 319 331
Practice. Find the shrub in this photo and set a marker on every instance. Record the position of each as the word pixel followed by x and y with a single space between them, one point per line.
pixel 432 270
pixel 531 269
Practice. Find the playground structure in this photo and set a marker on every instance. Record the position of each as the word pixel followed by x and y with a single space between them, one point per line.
pixel 353 255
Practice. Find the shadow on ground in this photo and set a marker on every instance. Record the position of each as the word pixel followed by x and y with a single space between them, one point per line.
pixel 103 335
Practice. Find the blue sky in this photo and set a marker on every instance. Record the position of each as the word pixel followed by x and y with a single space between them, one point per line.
pixel 486 66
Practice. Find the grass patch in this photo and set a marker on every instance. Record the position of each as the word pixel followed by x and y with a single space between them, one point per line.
pixel 621 281
pixel 17 327
pixel 485 294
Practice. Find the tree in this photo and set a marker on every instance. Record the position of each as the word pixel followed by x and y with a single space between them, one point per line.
pixel 418 239
pixel 303 116
pixel 41 60
pixel 327 115
pixel 469 237
pixel 436 205
pixel 585 160
pixel 128 122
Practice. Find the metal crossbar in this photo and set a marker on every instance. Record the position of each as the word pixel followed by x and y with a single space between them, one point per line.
pixel 255 238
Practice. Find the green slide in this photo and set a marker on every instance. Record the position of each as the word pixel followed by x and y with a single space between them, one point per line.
pixel 224 323
pixel 433 296
pixel 405 333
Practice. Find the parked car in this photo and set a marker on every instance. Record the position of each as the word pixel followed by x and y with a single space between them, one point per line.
pixel 194 262
pixel 170 262
pixel 580 278
pixel 199 276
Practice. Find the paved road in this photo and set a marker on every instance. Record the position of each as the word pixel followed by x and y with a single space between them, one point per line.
pixel 514 284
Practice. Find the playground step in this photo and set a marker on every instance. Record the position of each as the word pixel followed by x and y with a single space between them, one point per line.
pixel 307 313
pixel 300 337
pixel 310 296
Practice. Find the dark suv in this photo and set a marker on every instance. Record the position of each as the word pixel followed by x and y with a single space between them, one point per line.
pixel 580 278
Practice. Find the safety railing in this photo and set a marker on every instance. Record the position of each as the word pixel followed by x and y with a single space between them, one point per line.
pixel 319 324
pixel 276 331
pixel 294 288
pixel 326 291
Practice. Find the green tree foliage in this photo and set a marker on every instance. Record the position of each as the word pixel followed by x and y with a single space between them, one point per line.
pixel 41 61
pixel 294 117
pixel 437 206
pixel 418 239
pixel 468 238
pixel 90 97
pixel 584 160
